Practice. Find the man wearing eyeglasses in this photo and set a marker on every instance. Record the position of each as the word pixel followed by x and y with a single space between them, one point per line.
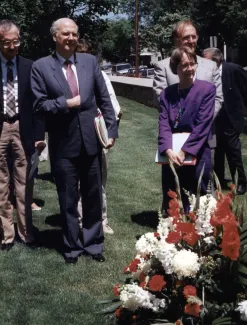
pixel 185 34
pixel 17 136
pixel 68 87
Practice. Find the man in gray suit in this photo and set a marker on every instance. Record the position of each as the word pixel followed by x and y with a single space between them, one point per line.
pixel 184 34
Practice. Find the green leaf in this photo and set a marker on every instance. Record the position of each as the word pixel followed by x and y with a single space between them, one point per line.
pixel 223 321
pixel 107 301
pixel 110 309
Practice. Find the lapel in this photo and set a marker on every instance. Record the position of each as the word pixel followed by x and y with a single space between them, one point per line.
pixel 1 88
pixel 81 75
pixel 187 103
pixel 23 78
pixel 59 76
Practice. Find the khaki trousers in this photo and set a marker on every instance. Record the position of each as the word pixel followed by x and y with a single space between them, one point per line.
pixel 105 160
pixel 11 148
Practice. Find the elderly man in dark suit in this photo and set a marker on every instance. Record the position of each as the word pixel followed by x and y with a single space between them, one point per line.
pixel 16 135
pixel 68 87
pixel 230 121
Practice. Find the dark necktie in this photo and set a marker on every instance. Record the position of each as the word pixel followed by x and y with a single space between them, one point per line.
pixel 71 78
pixel 10 101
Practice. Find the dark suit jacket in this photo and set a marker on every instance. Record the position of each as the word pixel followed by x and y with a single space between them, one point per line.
pixel 234 86
pixel 65 126
pixel 196 119
pixel 31 127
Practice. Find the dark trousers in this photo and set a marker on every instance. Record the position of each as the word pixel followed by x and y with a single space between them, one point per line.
pixel 68 172
pixel 188 179
pixel 228 143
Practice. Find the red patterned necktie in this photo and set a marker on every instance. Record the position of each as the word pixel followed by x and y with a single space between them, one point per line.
pixel 10 100
pixel 71 78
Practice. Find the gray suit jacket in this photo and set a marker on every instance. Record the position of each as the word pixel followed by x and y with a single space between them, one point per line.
pixel 207 70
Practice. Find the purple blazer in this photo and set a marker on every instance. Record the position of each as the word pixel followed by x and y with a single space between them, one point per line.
pixel 196 119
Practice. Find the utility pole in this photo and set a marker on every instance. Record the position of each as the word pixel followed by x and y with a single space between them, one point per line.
pixel 136 37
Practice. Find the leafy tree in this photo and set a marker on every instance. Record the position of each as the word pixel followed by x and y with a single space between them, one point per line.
pixel 118 40
pixel 36 16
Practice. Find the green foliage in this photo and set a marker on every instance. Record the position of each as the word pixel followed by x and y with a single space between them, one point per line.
pixel 36 16
pixel 118 40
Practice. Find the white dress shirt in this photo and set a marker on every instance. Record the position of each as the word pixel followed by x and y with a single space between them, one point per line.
pixel 112 94
pixel 4 81
pixel 64 67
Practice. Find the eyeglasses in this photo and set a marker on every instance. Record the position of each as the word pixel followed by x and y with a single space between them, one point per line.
pixel 7 44
pixel 188 65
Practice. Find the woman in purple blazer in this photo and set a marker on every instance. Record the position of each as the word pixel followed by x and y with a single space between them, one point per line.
pixel 186 107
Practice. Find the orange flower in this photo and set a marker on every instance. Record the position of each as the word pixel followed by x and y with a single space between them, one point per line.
pixel 157 283
pixel 189 291
pixel 118 312
pixel 230 242
pixel 192 309
pixel 172 194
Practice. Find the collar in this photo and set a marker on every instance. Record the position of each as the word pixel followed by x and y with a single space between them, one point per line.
pixel 4 60
pixel 61 59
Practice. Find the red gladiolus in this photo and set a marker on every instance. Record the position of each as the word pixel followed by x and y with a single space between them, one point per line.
pixel 191 238
pixel 125 269
pixel 185 227
pixel 172 194
pixel 116 290
pixel 230 242
pixel 156 283
pixel 142 276
pixel 192 216
pixel 134 264
pixel 192 309
pixel 173 237
pixel 189 291
pixel 142 284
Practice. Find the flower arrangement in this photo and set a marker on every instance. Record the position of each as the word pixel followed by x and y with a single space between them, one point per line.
pixel 192 270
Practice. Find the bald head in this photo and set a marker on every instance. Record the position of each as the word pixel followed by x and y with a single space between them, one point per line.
pixel 61 22
pixel 65 34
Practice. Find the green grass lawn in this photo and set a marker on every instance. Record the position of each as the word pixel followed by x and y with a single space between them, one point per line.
pixel 36 286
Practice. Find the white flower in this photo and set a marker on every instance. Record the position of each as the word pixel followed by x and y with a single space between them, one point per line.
pixel 209 240
pixel 134 297
pixel 242 308
pixel 207 206
pixel 164 226
pixel 165 254
pixel 146 244
pixel 185 263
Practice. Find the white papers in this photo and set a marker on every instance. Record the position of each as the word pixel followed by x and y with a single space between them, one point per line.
pixel 178 140
pixel 101 129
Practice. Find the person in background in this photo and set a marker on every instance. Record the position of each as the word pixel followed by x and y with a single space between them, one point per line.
pixel 19 130
pixel 187 106
pixel 185 34
pixel 86 47
pixel 230 120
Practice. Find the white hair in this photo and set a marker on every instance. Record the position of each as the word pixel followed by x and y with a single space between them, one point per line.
pixel 56 23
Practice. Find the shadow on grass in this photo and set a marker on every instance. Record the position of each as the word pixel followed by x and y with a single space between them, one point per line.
pixel 146 218
pixel 39 202
pixel 54 220
pixel 52 239
pixel 46 177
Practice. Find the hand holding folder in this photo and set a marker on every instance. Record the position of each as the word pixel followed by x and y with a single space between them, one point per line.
pixel 178 140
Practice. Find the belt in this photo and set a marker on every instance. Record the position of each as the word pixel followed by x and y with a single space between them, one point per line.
pixel 11 119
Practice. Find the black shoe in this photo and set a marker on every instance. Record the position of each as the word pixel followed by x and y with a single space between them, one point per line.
pixel 241 189
pixel 71 260
pixel 6 247
pixel 98 257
